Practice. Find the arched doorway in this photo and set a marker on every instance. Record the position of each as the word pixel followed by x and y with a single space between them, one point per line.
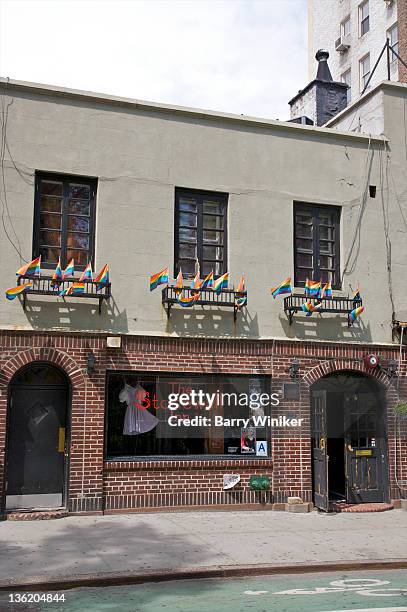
pixel 36 464
pixel 349 440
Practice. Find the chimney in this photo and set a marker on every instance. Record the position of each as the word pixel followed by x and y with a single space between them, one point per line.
pixel 321 99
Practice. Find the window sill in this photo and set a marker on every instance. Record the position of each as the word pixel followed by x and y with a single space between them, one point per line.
pixel 203 463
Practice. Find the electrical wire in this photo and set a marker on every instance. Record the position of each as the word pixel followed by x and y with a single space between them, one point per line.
pixel 5 212
pixel 386 225
pixel 396 424
pixel 362 206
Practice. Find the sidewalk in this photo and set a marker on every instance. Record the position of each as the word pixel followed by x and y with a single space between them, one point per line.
pixel 173 542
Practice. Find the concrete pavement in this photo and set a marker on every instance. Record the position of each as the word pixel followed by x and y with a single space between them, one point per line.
pixel 172 542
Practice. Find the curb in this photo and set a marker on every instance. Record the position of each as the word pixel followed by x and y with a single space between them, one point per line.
pixel 58 583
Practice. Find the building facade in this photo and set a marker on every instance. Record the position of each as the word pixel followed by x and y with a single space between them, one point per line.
pixel 85 379
pixel 354 33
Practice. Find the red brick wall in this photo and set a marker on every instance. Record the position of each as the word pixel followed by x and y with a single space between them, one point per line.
pixel 94 485
pixel 402 28
pixel 181 483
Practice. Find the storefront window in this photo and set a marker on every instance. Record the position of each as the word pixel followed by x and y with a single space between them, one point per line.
pixel 158 415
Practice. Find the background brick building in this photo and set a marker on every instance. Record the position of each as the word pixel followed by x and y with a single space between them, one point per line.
pixel 354 33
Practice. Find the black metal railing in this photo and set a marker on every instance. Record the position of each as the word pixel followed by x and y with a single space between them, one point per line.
pixel 207 297
pixel 335 305
pixel 390 51
pixel 42 286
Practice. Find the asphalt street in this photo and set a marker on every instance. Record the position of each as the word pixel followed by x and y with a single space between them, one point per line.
pixel 383 590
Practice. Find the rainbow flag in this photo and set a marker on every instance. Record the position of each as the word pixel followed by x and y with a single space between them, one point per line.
pixel 31 269
pixel 282 288
pixel 196 283
pixel 326 290
pixel 241 288
pixel 86 274
pixel 57 277
pixel 69 270
pixel 12 293
pixel 221 283
pixel 240 302
pixel 356 294
pixel 103 277
pixel 74 289
pixel 207 282
pixel 312 288
pixel 77 288
pixel 161 278
pixel 186 302
pixel 179 283
pixel 309 308
pixel 355 313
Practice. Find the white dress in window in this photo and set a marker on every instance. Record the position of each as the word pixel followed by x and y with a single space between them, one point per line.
pixel 137 419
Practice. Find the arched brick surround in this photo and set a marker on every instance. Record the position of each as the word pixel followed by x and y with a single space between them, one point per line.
pixel 47 354
pixel 344 365
pixel 80 490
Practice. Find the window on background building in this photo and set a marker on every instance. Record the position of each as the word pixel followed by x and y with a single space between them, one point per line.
pixel 64 219
pixel 143 411
pixel 345 27
pixel 346 78
pixel 364 69
pixel 364 18
pixel 316 249
pixel 393 36
pixel 200 231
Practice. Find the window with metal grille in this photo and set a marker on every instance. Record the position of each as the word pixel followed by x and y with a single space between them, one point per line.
pixel 64 219
pixel 200 232
pixel 316 244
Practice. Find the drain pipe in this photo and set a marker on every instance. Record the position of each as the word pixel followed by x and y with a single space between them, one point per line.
pixel 272 448
pixel 84 439
pixel 396 425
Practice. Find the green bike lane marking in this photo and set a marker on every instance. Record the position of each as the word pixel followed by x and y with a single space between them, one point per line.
pixel 323 592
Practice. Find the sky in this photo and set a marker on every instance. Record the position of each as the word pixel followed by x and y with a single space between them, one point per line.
pixel 240 56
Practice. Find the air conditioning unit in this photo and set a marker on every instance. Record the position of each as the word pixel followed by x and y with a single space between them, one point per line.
pixel 342 44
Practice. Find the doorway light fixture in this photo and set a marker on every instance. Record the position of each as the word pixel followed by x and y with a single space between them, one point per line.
pixel 90 363
pixel 294 367
pixel 392 367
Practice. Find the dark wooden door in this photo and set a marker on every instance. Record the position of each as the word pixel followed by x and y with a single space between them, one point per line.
pixel 365 448
pixel 319 449
pixel 36 447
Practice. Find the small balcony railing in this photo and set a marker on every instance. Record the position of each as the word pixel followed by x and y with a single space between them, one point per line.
pixel 42 286
pixel 334 305
pixel 207 297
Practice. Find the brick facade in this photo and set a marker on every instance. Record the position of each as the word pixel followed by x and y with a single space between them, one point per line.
pixel 97 485
pixel 402 29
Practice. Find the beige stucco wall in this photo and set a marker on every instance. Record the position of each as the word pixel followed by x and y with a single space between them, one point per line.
pixel 365 116
pixel 140 155
pixel 383 112
pixel 395 194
